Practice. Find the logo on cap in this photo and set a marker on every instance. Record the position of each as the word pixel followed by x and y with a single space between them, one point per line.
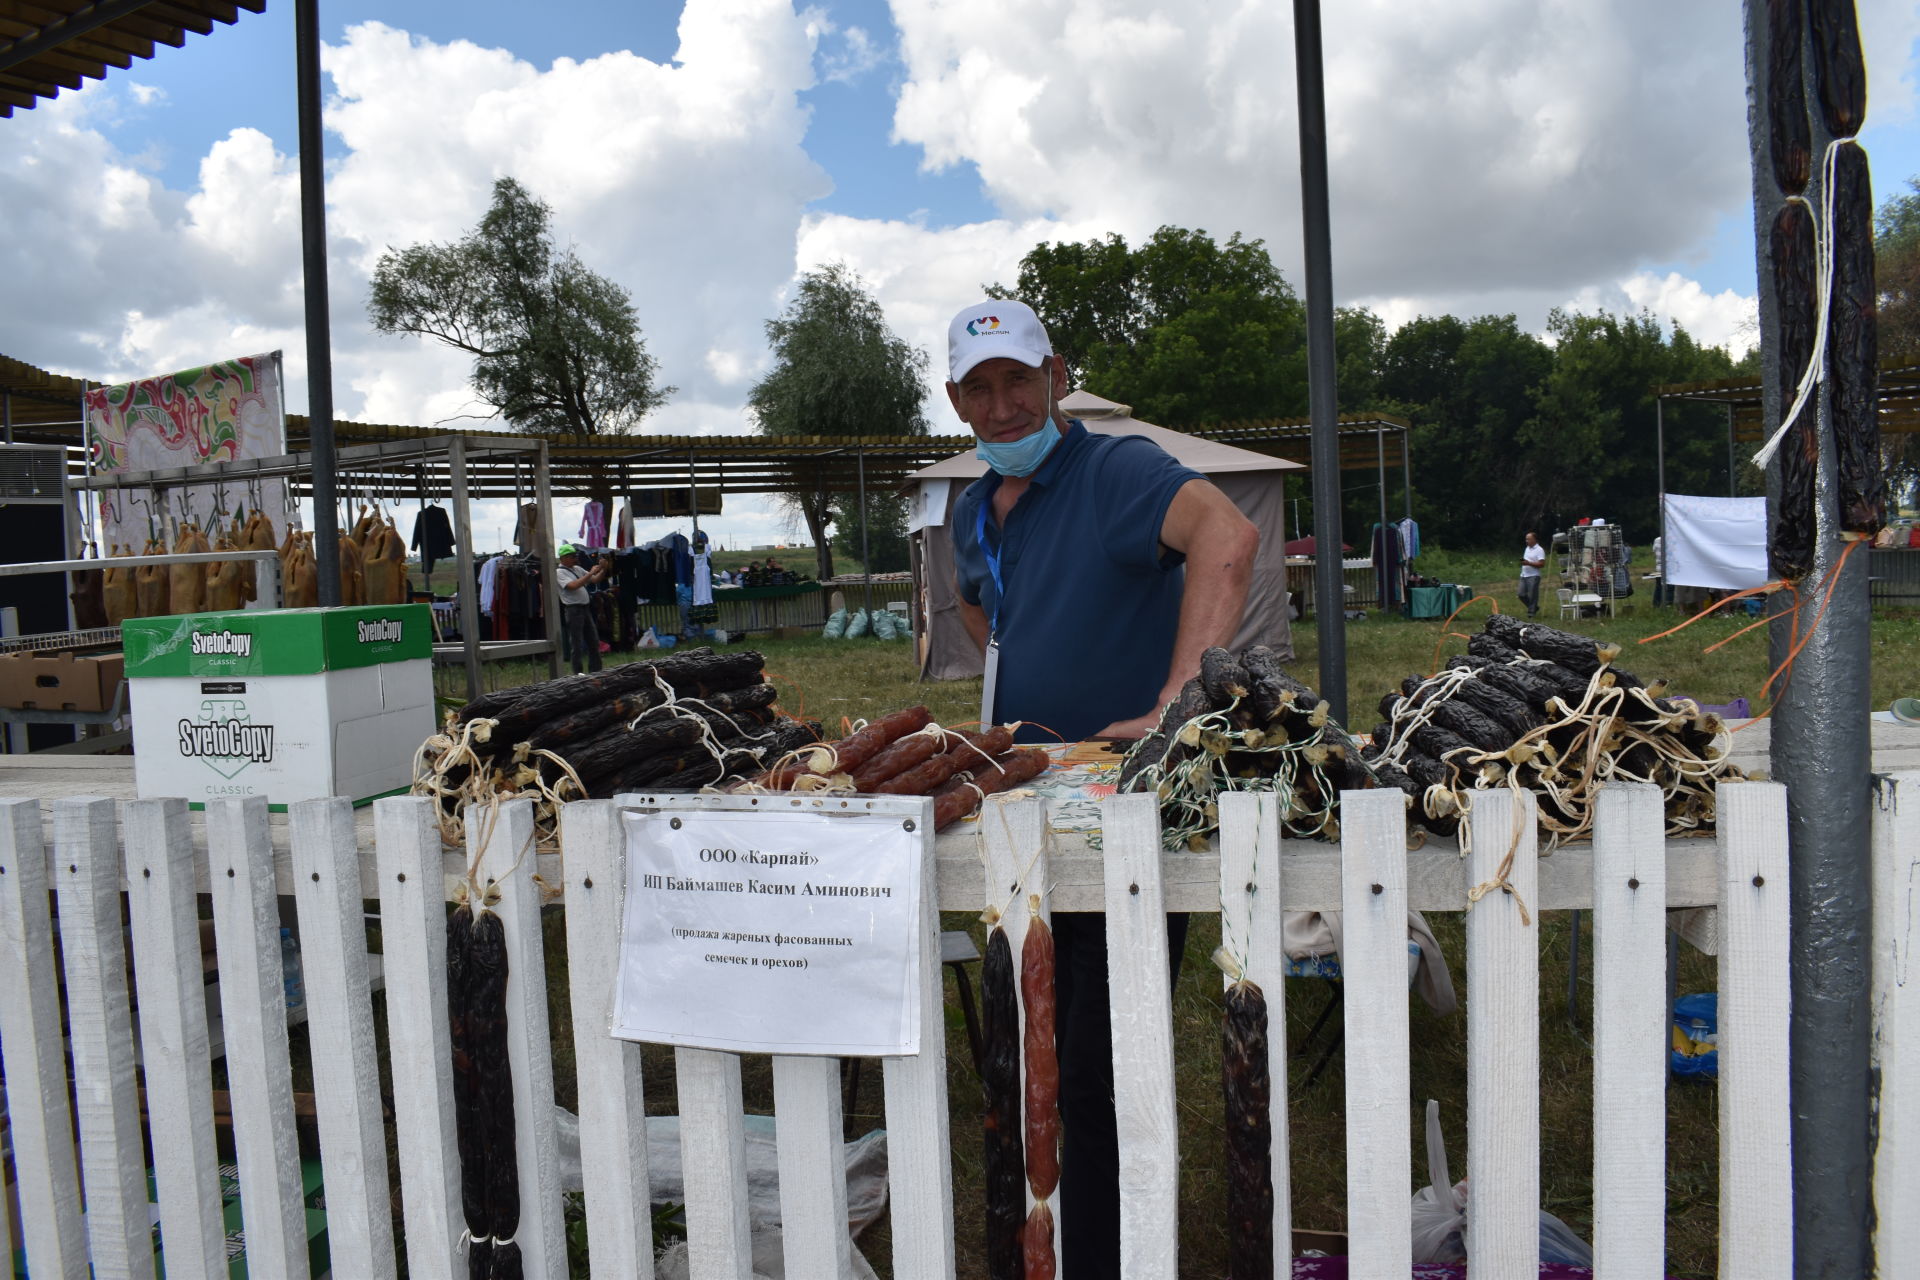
pixel 991 323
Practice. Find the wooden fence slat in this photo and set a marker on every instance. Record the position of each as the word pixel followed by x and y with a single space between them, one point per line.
pixel 41 1123
pixel 346 1076
pixel 919 1168
pixel 1016 860
pixel 413 933
pixel 1896 1012
pixel 713 1163
pixel 1756 1171
pixel 100 1025
pixel 542 1240
pixel 1140 1013
pixel 1373 966
pixel 171 990
pixel 613 1115
pixel 253 1012
pixel 1503 1037
pixel 813 1166
pixel 1250 888
pixel 1630 1039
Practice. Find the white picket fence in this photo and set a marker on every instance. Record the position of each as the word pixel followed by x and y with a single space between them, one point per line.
pixel 1629 879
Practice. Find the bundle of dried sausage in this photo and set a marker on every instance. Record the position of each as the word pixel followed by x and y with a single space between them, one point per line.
pixel 853 751
pixel 960 796
pixel 1791 242
pixel 969 752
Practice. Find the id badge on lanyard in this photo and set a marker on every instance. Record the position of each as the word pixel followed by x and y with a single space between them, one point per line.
pixel 990 671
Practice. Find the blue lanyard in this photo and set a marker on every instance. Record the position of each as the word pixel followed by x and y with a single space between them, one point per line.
pixel 993 562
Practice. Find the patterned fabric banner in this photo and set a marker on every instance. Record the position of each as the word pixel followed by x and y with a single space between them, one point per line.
pixel 221 412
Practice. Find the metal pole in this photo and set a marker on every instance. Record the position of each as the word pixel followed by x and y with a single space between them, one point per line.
pixel 465 572
pixel 1660 488
pixel 1733 466
pixel 313 249
pixel 1329 583
pixel 1406 471
pixel 549 563
pixel 6 416
pixel 693 492
pixel 1821 751
pixel 866 558
pixel 1380 459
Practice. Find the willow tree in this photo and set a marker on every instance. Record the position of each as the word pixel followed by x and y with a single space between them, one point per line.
pixel 838 370
pixel 556 347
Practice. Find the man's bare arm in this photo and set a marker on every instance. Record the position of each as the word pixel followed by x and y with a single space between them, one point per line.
pixel 974 619
pixel 1220 544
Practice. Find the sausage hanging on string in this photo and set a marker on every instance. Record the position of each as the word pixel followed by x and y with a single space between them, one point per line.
pixel 1043 1065
pixel 1249 1124
pixel 1853 347
pixel 1000 1081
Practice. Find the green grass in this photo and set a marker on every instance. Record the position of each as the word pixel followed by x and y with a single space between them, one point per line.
pixel 832 680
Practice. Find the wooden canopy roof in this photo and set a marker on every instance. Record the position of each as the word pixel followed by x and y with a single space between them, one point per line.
pixel 50 45
pixel 45 408
pixel 1899 399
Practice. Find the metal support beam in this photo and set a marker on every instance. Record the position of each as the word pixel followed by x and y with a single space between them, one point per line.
pixel 1329 588
pixel 549 563
pixel 465 573
pixel 1660 481
pixel 1820 750
pixel 313 252
pixel 866 556
pixel 1406 470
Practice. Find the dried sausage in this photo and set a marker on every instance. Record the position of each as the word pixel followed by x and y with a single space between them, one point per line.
pixel 1043 1066
pixel 1000 1081
pixel 1248 1087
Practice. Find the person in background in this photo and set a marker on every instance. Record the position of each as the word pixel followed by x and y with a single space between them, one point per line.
pixel 1532 556
pixel 583 638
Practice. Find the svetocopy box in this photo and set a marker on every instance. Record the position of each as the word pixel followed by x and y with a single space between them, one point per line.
pixel 290 704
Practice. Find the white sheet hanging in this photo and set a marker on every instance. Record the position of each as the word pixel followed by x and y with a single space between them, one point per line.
pixel 1719 543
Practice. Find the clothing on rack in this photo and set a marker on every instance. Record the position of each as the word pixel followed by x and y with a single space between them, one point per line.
pixel 1387 563
pixel 623 532
pixel 593 524
pixel 526 529
pixel 1410 538
pixel 702 579
pixel 432 536
pixel 490 583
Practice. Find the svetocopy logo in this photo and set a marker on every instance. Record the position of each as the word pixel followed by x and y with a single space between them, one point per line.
pixel 983 326
pixel 224 738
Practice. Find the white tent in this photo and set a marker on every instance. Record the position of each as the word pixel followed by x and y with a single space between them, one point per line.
pixel 1254 481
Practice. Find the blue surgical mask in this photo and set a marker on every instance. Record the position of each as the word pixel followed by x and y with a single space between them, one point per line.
pixel 1020 457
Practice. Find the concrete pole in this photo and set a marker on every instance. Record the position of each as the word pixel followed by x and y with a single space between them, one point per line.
pixel 1329 583
pixel 1821 751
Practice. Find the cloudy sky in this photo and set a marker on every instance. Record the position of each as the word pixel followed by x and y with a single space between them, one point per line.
pixel 1486 156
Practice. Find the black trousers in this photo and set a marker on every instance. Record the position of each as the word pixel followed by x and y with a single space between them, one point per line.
pixel 583 638
pixel 1083 1036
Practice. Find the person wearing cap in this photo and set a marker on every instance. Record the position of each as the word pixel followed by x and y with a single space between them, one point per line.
pixel 1093 571
pixel 583 638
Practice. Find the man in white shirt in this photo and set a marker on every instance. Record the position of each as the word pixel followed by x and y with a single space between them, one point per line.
pixel 583 638
pixel 1531 558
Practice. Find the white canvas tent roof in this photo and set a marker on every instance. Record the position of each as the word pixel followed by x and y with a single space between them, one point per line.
pixel 1254 481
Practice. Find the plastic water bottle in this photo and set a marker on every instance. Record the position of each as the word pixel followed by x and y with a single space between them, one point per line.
pixel 290 975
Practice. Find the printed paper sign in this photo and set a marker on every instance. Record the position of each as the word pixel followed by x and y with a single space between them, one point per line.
pixel 771 933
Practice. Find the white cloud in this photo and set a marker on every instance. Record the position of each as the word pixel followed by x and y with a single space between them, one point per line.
pixel 146 94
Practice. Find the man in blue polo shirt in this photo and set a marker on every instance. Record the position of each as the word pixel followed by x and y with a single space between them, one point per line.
pixel 1093 571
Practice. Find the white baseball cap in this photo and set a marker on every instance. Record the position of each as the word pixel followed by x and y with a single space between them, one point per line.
pixel 994 328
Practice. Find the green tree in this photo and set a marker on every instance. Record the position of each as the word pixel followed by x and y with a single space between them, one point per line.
pixel 886 532
pixel 1186 330
pixel 1591 447
pixel 555 345
pixel 838 370
pixel 1467 386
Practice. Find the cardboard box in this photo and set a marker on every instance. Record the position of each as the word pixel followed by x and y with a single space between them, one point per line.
pixel 59 681
pixel 290 704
